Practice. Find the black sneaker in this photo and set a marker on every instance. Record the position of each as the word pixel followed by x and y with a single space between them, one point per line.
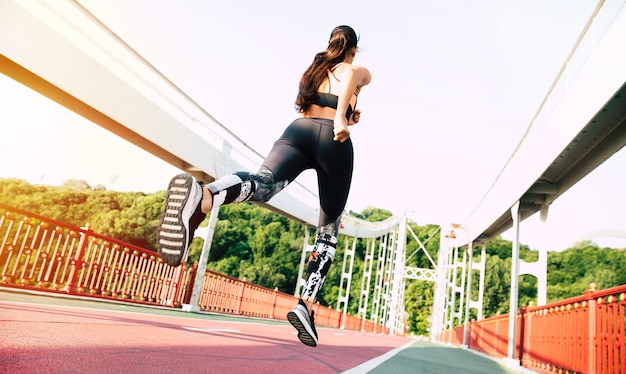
pixel 181 217
pixel 303 322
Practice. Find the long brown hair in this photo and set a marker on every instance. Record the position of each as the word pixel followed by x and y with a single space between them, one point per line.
pixel 342 40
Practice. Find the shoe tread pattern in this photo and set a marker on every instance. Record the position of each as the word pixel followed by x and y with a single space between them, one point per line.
pixel 303 334
pixel 171 233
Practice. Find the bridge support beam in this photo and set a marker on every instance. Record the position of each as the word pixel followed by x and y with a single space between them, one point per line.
pixel 346 280
pixel 205 233
pixel 439 302
pixel 378 303
pixel 480 266
pixel 468 296
pixel 366 281
pixel 306 250
pixel 515 213
pixel 539 268
pixel 396 307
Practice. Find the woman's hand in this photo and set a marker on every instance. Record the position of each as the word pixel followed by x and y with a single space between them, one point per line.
pixel 354 119
pixel 341 129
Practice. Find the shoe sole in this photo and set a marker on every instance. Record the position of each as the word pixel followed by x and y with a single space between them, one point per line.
pixel 305 336
pixel 173 232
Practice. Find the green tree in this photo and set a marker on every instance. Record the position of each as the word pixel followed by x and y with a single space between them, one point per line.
pixel 497 285
pixel 372 214
pixel 419 300
pixel 265 248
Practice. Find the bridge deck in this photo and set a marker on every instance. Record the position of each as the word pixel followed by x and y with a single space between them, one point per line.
pixel 51 334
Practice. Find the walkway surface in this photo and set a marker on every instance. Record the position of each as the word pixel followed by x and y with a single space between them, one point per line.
pixel 46 334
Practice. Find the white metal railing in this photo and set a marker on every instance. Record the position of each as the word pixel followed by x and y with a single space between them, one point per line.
pixel 60 33
pixel 566 108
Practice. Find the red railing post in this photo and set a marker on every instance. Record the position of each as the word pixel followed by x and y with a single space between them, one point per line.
pixel 522 332
pixel 177 278
pixel 76 263
pixel 273 313
pixel 191 282
pixel 241 293
pixel 592 327
pixel 469 334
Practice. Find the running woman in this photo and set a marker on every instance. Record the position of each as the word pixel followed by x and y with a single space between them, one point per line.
pixel 319 139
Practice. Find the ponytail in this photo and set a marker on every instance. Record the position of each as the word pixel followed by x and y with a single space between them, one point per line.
pixel 342 40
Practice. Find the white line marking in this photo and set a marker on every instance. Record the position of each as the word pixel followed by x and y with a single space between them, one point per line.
pixel 212 330
pixel 371 364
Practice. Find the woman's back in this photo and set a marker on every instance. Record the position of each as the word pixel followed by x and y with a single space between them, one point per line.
pixel 325 104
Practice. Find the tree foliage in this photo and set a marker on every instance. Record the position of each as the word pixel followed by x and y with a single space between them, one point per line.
pixel 253 243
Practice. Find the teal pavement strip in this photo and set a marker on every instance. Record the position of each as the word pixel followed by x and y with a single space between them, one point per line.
pixel 43 298
pixel 430 358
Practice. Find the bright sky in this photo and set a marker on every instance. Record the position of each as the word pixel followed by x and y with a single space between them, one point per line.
pixel 455 84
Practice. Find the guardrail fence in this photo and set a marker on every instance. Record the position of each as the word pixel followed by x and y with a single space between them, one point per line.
pixel 38 253
pixel 583 334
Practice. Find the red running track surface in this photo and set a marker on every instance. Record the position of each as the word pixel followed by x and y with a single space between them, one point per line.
pixel 36 338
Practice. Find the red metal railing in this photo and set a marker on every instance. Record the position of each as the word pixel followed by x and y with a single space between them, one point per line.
pixel 583 334
pixel 38 253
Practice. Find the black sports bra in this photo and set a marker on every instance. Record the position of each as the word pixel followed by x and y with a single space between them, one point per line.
pixel 326 99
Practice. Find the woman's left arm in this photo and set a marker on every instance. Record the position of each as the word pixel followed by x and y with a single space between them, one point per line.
pixel 352 79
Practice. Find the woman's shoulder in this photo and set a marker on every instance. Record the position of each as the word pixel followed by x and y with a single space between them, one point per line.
pixel 362 74
pixel 342 66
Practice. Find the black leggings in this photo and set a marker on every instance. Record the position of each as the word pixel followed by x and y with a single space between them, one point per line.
pixel 307 143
